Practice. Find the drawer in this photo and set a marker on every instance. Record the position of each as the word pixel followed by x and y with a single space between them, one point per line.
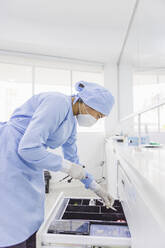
pixel 126 188
pixel 127 195
pixel 101 227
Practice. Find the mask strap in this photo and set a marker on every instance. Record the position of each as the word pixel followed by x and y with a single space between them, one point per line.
pixel 86 109
pixel 79 107
pixel 88 112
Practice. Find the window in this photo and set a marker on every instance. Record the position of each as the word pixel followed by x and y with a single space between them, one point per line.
pixel 19 82
pixel 149 89
pixel 48 79
pixel 16 87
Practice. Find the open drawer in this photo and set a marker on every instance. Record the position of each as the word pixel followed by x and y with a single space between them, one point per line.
pixel 84 222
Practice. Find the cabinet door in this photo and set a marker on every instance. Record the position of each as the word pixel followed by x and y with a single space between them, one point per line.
pixel 145 230
pixel 111 165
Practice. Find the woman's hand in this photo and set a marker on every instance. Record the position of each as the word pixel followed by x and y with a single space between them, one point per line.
pixel 105 196
pixel 74 170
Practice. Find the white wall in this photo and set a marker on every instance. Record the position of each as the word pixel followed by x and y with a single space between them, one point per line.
pixel 91 153
pixel 110 80
pixel 125 90
pixel 91 145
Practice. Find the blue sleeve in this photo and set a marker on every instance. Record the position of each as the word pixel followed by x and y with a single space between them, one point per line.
pixel 46 119
pixel 70 148
pixel 70 153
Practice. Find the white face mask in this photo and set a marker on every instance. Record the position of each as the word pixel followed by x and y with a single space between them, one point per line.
pixel 85 120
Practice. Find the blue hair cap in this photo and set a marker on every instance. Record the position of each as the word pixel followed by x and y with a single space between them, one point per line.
pixel 95 96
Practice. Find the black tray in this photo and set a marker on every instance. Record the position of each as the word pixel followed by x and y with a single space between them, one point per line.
pixel 83 209
pixel 82 205
pixel 79 209
pixel 85 202
pixel 93 216
pixel 75 202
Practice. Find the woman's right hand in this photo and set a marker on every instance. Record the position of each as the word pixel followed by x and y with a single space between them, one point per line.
pixel 73 170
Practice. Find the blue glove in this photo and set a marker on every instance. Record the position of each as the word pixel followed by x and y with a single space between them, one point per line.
pixel 88 180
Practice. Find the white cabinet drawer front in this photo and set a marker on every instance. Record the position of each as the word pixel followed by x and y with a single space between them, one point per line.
pixel 145 231
pixel 111 166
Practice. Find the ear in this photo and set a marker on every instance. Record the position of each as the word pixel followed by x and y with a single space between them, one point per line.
pixel 79 86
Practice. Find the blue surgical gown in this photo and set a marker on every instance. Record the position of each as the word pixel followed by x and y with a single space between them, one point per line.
pixel 45 120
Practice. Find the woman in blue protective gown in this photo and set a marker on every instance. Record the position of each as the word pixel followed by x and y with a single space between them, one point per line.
pixel 45 120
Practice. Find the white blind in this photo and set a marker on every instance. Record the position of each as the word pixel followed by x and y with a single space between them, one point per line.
pixel 19 77
pixel 15 87
pixel 48 79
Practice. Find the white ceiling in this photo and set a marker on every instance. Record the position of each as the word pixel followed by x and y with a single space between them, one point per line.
pixel 91 30
pixel 146 43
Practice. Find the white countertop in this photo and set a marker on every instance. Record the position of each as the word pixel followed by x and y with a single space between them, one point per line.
pixel 149 163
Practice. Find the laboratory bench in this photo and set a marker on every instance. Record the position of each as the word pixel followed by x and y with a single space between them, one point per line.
pixel 136 179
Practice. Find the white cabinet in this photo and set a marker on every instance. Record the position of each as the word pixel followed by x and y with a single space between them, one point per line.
pixel 145 230
pixel 141 202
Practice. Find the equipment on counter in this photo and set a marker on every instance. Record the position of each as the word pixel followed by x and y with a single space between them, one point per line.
pixel 134 140
pixel 153 145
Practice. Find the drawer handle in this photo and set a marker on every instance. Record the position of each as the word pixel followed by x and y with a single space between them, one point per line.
pixel 122 181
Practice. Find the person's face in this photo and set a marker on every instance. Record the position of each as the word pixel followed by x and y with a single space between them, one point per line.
pixel 85 109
